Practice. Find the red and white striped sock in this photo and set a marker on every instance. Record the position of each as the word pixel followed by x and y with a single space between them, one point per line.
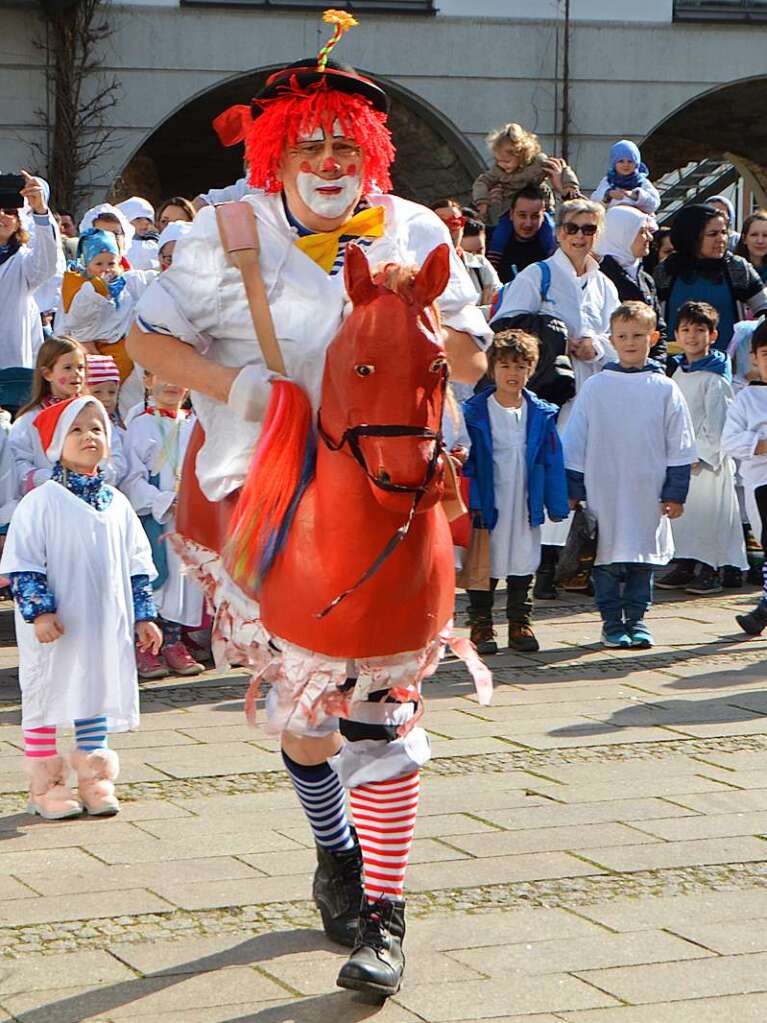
pixel 384 815
pixel 40 742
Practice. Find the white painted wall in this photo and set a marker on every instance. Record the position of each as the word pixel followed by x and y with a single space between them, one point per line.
pixel 542 10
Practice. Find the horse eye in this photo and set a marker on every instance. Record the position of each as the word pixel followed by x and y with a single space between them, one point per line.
pixel 438 365
pixel 364 370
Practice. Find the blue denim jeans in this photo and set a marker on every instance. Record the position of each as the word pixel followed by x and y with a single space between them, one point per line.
pixel 622 593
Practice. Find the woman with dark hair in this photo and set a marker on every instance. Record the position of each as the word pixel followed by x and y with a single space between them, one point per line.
pixel 660 248
pixel 23 268
pixel 702 269
pixel 175 208
pixel 753 242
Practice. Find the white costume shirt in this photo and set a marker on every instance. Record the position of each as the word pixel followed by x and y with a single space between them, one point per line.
pixel 645 197
pixel 201 299
pixel 710 529
pixel 625 430
pixel 144 254
pixel 88 557
pixel 745 426
pixel 515 545
pixel 155 446
pixel 9 485
pixel 94 317
pixel 32 465
pixel 32 266
pixel 230 193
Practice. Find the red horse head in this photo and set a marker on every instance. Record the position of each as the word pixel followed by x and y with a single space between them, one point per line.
pixel 385 375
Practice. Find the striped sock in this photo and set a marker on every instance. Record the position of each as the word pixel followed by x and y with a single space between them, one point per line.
pixel 384 814
pixel 91 733
pixel 40 742
pixel 324 802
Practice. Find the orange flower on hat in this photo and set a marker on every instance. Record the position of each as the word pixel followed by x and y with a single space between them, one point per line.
pixel 343 19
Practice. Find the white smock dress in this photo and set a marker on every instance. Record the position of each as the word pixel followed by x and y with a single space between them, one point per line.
pixel 745 426
pixel 710 529
pixel 155 446
pixel 625 430
pixel 88 557
pixel 515 545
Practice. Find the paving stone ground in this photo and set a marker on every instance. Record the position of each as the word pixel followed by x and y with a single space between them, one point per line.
pixel 592 848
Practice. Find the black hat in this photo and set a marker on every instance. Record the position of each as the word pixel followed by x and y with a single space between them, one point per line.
pixel 336 76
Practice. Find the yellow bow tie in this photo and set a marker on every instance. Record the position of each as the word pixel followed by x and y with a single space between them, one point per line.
pixel 323 246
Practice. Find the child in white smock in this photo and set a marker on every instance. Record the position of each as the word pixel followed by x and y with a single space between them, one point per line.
pixel 155 445
pixel 80 569
pixel 629 446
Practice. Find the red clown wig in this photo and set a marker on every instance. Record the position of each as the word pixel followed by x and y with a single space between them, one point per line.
pixel 297 113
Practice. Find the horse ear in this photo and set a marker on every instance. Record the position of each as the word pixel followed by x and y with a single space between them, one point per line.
pixel 359 283
pixel 431 280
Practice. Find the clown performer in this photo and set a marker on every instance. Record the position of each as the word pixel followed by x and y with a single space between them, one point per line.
pixel 319 153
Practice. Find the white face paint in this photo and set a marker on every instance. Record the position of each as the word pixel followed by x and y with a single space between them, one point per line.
pixel 329 199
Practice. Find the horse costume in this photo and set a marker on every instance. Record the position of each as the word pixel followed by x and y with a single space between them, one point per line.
pixel 336 581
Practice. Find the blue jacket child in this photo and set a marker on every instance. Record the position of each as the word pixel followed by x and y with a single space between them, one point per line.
pixel 546 479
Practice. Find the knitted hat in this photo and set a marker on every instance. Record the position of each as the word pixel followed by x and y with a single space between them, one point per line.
pixel 173 232
pixel 136 207
pixel 93 242
pixel 101 369
pixel 93 214
pixel 54 423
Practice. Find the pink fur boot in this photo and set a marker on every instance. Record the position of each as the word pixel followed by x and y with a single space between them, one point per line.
pixel 96 773
pixel 49 794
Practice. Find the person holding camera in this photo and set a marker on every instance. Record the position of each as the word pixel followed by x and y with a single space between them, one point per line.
pixel 23 268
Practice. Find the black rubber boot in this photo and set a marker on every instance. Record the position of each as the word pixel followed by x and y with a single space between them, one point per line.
pixel 337 892
pixel 545 587
pixel 755 622
pixel 377 963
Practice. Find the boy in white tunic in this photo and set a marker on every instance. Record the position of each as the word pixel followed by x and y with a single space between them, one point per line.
pixel 709 534
pixel 80 569
pixel 155 445
pixel 629 446
pixel 745 437
pixel 516 471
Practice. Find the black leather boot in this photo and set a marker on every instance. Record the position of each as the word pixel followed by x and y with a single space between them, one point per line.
pixel 377 963
pixel 337 891
pixel 755 622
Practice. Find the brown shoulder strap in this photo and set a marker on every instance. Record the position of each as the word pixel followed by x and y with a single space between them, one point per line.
pixel 239 236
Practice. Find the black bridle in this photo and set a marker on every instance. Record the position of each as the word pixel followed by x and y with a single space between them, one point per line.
pixel 351 439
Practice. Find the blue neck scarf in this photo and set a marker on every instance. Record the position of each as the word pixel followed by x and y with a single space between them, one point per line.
pixel 90 489
pixel 715 362
pixel 9 249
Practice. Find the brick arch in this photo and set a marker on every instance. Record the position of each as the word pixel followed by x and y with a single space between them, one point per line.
pixel 183 156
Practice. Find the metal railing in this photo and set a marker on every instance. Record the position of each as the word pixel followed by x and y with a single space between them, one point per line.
pixel 694 183
pixel 720 10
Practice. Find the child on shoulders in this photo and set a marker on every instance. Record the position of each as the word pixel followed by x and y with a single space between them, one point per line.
pixel 745 437
pixel 516 471
pixel 626 182
pixel 155 445
pixel 75 543
pixel 709 535
pixel 518 162
pixel 98 305
pixel 629 447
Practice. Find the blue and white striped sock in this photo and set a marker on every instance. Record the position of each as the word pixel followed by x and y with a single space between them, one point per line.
pixel 91 733
pixel 324 802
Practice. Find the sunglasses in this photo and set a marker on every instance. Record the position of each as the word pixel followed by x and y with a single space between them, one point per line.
pixel 12 212
pixel 587 230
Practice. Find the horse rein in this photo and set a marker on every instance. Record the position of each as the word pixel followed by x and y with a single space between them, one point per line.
pixel 351 438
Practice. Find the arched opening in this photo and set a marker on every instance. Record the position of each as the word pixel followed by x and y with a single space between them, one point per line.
pixel 183 155
pixel 718 124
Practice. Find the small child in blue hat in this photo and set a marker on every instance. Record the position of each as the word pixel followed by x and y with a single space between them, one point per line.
pixel 626 182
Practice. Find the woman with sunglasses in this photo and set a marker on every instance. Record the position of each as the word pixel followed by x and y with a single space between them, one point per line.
pixel 569 286
pixel 482 273
pixel 23 268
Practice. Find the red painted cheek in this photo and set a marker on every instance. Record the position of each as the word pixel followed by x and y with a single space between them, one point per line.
pixel 351 170
pixel 306 167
